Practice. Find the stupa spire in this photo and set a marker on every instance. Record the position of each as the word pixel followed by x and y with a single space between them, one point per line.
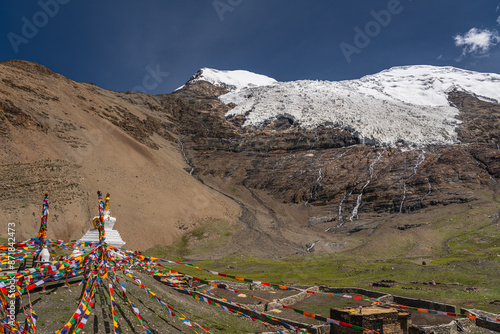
pixel 106 203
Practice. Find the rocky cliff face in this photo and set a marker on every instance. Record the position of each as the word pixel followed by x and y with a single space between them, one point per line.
pixel 185 162
pixel 331 170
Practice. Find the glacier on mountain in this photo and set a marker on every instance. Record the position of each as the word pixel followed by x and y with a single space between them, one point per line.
pixel 402 106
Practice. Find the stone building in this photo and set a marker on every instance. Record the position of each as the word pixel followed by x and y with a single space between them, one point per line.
pixel 385 320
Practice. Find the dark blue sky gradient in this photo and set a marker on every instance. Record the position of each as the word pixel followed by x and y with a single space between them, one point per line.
pixel 111 43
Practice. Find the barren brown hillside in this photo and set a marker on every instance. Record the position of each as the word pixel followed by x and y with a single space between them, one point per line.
pixel 54 138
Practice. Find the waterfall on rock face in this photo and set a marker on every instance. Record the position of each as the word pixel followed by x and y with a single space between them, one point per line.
pixel 403 200
pixel 358 201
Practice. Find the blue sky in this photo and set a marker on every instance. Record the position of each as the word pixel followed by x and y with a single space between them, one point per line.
pixel 132 45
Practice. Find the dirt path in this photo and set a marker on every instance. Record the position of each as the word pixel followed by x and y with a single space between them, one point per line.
pixel 253 237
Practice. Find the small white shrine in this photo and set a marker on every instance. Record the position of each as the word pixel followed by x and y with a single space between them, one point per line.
pixel 112 237
pixel 44 255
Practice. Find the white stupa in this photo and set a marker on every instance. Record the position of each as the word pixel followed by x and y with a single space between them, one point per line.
pixel 112 237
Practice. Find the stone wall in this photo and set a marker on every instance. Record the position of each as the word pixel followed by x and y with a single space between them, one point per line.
pixel 291 299
pixel 313 329
pixel 418 303
pixel 368 293
pixel 493 326
pixel 450 328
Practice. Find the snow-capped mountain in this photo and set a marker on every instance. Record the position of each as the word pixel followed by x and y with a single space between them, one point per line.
pixel 231 80
pixel 403 105
pixel 302 142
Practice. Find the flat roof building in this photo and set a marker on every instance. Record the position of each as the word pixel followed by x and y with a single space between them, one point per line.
pixel 385 320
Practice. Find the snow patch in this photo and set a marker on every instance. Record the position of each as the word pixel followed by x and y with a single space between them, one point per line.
pixel 231 80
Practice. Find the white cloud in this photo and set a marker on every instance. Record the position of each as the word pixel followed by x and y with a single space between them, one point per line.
pixel 477 41
pixel 498 20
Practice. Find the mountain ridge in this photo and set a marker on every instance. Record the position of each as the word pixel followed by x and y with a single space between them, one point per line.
pixel 176 164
